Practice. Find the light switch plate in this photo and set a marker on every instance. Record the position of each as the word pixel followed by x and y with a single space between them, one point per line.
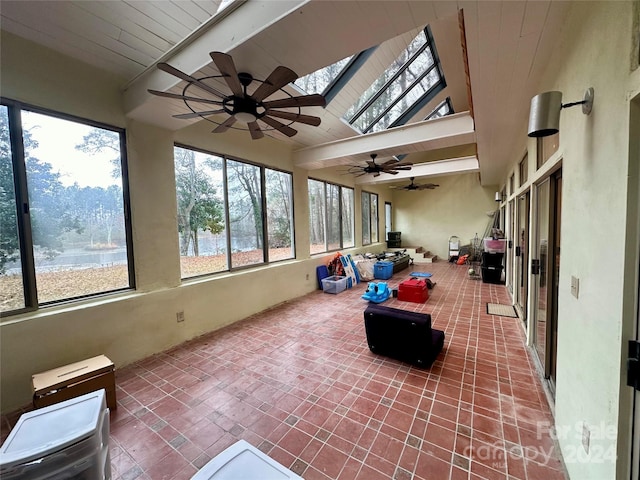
pixel 575 286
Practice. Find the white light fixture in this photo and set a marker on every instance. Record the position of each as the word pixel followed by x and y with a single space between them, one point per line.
pixel 544 115
pixel 245 117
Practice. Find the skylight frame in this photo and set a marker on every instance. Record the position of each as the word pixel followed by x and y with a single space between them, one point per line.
pixel 342 78
pixel 445 103
pixel 429 44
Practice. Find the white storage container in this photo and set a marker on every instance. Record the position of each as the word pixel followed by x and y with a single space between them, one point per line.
pixel 243 461
pixel 67 440
pixel 334 284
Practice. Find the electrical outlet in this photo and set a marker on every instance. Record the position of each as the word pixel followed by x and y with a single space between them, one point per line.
pixel 575 286
pixel 586 437
pixel 180 317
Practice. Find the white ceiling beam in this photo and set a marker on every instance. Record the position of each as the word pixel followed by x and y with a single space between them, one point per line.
pixel 449 131
pixel 192 54
pixel 442 167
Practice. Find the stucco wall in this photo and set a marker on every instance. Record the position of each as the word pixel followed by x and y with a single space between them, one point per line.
pixel 594 154
pixel 458 207
pixel 129 326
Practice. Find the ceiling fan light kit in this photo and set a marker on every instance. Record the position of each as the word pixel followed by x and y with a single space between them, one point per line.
pixel 244 107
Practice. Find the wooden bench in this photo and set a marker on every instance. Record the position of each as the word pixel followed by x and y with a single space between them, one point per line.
pixel 75 379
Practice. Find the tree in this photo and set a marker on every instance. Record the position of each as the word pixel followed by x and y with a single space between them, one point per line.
pixel 9 241
pixel 99 140
pixel 198 206
pixel 279 194
pixel 49 206
pixel 245 178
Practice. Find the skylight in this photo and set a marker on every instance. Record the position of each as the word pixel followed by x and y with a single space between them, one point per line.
pixel 405 86
pixel 329 80
pixel 224 4
pixel 318 81
pixel 443 109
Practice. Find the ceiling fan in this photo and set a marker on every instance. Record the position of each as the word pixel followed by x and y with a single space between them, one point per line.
pixel 415 186
pixel 241 105
pixel 392 167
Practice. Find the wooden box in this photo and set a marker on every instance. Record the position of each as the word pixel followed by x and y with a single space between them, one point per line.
pixel 75 379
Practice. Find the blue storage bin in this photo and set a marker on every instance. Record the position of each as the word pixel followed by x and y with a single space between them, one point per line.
pixel 383 270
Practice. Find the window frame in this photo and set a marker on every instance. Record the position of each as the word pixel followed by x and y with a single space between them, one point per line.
pixel 263 202
pixel 546 147
pixel 523 169
pixel 445 103
pixel 22 204
pixel 370 196
pixel 342 78
pixel 416 106
pixel 341 215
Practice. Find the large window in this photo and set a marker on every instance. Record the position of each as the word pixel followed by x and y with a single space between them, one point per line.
pixel 64 229
pixel 547 146
pixel 407 85
pixel 443 109
pixel 329 80
pixel 523 167
pixel 201 218
pixel 226 210
pixel 369 218
pixel 330 216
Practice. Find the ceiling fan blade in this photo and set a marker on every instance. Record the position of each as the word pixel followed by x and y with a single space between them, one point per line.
pixel 223 127
pixel 183 97
pixel 390 162
pixel 282 128
pixel 402 164
pixel 278 79
pixel 296 117
pixel 184 116
pixel 314 100
pixel 165 67
pixel 402 168
pixel 377 174
pixel 227 68
pixel 391 172
pixel 254 129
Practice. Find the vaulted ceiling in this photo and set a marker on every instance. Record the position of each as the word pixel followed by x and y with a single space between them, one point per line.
pixel 507 44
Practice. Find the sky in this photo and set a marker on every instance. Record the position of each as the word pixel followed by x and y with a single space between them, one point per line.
pixel 57 140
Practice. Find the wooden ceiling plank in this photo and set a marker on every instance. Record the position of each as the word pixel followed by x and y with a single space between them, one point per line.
pixel 114 63
pixel 105 11
pixel 124 9
pixel 535 17
pixel 208 6
pixel 194 10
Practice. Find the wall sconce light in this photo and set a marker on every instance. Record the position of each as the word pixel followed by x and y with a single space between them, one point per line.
pixel 499 197
pixel 544 116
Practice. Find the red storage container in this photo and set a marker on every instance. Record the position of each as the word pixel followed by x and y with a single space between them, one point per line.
pixel 413 290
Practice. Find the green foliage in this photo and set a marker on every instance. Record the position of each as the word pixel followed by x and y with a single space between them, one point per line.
pixel 55 210
pixel 9 242
pixel 49 209
pixel 198 206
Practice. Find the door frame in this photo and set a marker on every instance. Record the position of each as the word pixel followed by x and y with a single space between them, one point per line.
pixel 629 424
pixel 522 271
pixel 549 267
pixel 388 219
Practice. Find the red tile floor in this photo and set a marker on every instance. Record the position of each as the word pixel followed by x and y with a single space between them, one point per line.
pixel 299 382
